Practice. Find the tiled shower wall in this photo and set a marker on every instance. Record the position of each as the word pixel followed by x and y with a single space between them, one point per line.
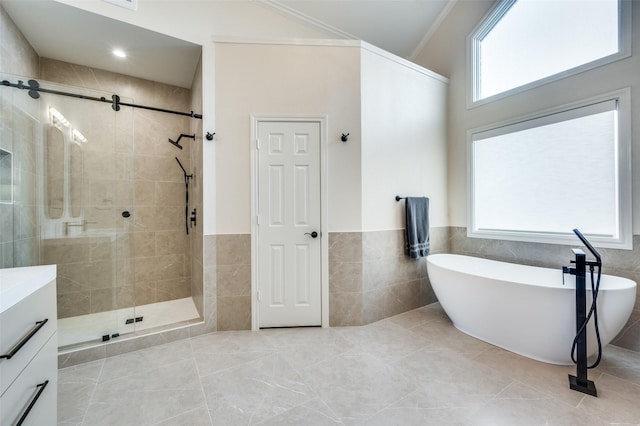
pixel 150 258
pixel 19 228
pixel 623 263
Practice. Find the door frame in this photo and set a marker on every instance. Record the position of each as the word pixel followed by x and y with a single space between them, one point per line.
pixel 322 120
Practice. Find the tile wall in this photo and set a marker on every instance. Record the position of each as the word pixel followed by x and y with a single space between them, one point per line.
pixel 370 278
pixel 233 281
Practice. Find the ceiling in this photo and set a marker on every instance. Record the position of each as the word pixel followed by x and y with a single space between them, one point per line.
pixel 69 34
pixel 398 26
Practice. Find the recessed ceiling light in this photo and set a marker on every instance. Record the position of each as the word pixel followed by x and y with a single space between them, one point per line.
pixel 119 53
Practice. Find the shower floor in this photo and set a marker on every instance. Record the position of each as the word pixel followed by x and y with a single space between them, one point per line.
pixel 91 327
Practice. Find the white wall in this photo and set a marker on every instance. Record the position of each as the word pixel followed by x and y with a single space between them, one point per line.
pixel 445 53
pixel 404 145
pixel 286 80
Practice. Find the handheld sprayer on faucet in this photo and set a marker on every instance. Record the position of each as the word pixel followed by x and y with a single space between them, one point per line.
pixel 580 382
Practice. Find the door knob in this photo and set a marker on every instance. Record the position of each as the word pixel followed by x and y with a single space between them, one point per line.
pixel 313 234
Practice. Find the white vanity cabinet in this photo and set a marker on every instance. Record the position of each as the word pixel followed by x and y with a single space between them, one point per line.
pixel 28 346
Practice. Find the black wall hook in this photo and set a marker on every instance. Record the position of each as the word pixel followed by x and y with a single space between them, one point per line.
pixel 210 136
pixel 344 137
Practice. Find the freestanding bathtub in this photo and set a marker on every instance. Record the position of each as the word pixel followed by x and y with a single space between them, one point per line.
pixel 525 309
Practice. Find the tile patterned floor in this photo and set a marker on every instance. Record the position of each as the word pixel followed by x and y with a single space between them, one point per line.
pixel 411 369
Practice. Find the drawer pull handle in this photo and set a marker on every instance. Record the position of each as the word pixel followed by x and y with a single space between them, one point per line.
pixel 33 401
pixel 25 339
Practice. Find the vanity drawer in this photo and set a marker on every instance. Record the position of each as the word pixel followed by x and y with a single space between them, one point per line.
pixel 17 323
pixel 24 391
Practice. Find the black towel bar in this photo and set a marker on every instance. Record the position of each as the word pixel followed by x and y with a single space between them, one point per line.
pixel 398 198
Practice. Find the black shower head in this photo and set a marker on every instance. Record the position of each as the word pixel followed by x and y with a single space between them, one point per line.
pixel 175 143
pixel 182 135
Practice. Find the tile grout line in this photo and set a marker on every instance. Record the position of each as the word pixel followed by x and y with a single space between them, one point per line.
pixel 204 395
pixel 95 387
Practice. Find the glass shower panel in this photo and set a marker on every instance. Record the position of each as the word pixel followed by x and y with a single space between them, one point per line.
pixel 19 140
pixel 6 171
pixel 54 149
pixel 88 156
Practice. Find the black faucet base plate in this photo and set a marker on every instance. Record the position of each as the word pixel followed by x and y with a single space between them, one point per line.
pixel 589 388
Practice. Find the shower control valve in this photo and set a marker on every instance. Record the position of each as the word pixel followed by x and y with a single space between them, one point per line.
pixel 567 270
pixel 193 218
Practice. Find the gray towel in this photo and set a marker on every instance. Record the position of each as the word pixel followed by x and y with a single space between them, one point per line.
pixel 416 233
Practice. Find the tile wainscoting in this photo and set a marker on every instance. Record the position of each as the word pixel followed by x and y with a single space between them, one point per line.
pixel 233 281
pixel 369 279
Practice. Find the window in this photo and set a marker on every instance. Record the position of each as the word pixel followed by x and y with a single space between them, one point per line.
pixel 540 177
pixel 526 43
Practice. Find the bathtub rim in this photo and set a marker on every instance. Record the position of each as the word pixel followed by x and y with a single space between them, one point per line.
pixel 609 282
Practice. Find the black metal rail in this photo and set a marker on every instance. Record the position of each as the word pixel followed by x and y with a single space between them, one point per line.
pixel 34 91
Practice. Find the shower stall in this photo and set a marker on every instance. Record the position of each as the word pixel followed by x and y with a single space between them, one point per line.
pixel 98 192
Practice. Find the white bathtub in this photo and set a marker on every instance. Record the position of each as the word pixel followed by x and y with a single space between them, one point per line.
pixel 525 309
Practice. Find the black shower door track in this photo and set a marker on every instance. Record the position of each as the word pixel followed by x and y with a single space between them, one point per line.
pixel 34 88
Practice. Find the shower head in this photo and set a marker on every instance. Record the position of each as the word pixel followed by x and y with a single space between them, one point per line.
pixel 175 143
pixel 182 135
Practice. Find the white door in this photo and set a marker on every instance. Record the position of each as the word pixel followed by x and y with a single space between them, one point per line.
pixel 289 249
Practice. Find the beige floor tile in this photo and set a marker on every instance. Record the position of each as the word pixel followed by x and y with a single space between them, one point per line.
pixel 197 417
pixel 254 392
pixel 302 348
pixel 355 385
pixel 448 379
pixel 145 360
pixel 384 340
pixel 231 342
pixel 396 416
pixel 618 401
pixel 302 415
pixel 411 369
pixel 75 389
pixel 419 317
pixel 547 378
pixel 147 397
pixel 621 363
pixel 524 412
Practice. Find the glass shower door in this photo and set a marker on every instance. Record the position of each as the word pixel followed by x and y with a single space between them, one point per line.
pixel 87 186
